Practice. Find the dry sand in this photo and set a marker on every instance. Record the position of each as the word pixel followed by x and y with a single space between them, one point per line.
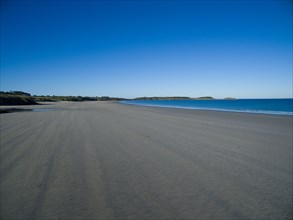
pixel 103 160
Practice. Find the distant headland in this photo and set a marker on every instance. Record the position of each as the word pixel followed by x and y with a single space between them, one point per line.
pixel 24 98
pixel 180 98
pixel 174 98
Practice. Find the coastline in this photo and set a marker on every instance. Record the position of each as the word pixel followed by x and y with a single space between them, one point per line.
pixel 108 160
pixel 209 108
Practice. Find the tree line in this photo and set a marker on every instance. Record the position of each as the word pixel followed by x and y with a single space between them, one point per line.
pixel 24 98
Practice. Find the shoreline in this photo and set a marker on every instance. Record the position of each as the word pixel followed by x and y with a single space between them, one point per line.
pixel 284 113
pixel 207 113
pixel 23 108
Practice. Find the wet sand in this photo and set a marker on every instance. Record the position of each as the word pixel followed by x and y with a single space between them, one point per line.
pixel 104 160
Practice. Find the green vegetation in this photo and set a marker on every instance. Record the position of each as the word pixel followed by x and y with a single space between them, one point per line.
pixel 23 98
pixel 20 93
pixel 174 98
pixel 230 98
pixel 205 98
pixel 74 98
pixel 6 99
pixel 163 98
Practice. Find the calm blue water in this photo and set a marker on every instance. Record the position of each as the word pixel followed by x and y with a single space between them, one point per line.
pixel 264 106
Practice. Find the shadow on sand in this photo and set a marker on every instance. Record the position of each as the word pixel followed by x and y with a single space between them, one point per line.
pixel 11 110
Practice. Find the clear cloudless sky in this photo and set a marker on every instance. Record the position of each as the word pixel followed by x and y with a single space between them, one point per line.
pixel 240 48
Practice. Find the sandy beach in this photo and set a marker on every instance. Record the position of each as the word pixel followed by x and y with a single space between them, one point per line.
pixel 105 160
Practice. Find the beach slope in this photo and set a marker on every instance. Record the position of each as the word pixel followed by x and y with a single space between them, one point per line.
pixel 104 160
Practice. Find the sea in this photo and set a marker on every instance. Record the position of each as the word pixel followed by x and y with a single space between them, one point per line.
pixel 261 106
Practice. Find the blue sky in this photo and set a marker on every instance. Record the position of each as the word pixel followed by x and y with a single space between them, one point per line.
pixel 128 49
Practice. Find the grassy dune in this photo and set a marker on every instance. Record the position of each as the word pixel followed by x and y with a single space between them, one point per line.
pixel 16 100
